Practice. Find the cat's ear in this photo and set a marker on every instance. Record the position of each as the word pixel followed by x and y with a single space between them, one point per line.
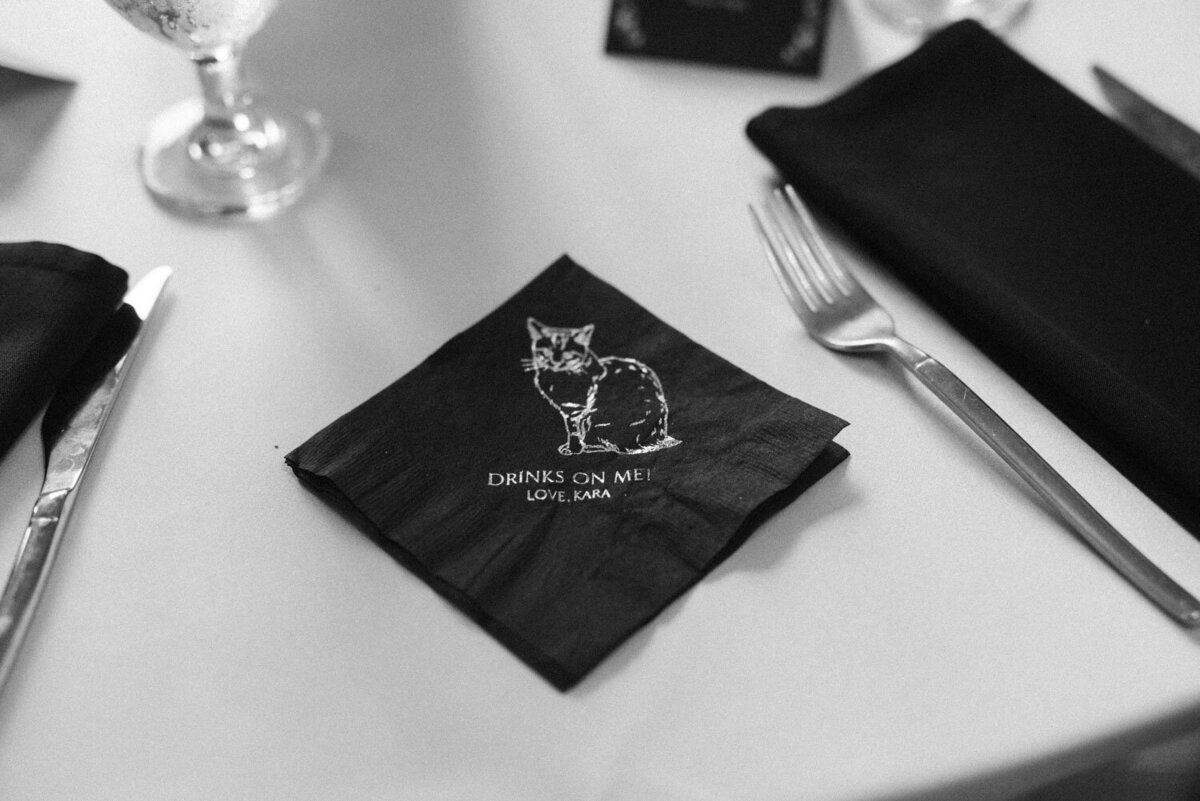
pixel 584 337
pixel 536 329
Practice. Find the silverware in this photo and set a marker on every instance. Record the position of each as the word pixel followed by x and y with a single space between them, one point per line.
pixel 1162 131
pixel 69 448
pixel 839 314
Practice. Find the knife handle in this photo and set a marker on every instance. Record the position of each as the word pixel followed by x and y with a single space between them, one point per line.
pixel 1088 523
pixel 29 573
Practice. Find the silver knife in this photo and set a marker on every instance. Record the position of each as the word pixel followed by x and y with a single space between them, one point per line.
pixel 1157 128
pixel 69 448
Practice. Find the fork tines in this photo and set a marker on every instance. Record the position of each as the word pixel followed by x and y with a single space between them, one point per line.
pixel 807 271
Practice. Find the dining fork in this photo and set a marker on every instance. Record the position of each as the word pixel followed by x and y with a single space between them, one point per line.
pixel 839 313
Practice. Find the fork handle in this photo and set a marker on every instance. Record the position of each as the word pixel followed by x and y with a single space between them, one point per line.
pixel 1052 487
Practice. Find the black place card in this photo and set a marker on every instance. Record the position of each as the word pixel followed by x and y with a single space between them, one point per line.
pixel 780 35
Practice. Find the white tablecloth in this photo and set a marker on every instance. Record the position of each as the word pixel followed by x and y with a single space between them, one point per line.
pixel 915 626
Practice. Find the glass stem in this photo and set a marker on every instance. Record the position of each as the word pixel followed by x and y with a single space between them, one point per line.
pixel 230 137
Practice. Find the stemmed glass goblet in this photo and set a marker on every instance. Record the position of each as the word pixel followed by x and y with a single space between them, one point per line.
pixel 228 153
pixel 926 16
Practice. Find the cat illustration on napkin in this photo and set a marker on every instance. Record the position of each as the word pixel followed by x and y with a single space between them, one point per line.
pixel 608 403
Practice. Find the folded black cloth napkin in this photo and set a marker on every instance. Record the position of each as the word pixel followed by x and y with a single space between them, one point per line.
pixel 566 467
pixel 1059 243
pixel 54 300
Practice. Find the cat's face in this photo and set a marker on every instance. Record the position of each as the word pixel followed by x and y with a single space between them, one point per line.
pixel 559 349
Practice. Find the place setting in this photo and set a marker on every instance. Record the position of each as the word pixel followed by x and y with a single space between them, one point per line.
pixel 68 340
pixel 1049 234
pixel 544 480
pixel 575 489
pixel 972 120
pixel 69 329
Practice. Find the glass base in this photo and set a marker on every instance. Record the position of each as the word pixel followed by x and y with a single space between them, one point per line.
pixel 926 16
pixel 183 184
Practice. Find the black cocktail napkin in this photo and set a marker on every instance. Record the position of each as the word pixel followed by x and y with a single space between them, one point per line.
pixel 1059 243
pixel 54 300
pixel 566 467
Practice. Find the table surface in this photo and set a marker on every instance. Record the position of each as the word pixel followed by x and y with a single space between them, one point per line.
pixel 915 626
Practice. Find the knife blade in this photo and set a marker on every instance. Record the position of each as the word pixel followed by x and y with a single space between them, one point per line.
pixel 1159 129
pixel 71 428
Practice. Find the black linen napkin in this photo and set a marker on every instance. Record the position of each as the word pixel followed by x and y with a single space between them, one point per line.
pixel 1055 240
pixel 54 300
pixel 566 467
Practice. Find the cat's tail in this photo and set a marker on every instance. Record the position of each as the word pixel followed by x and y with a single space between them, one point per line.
pixel 658 445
